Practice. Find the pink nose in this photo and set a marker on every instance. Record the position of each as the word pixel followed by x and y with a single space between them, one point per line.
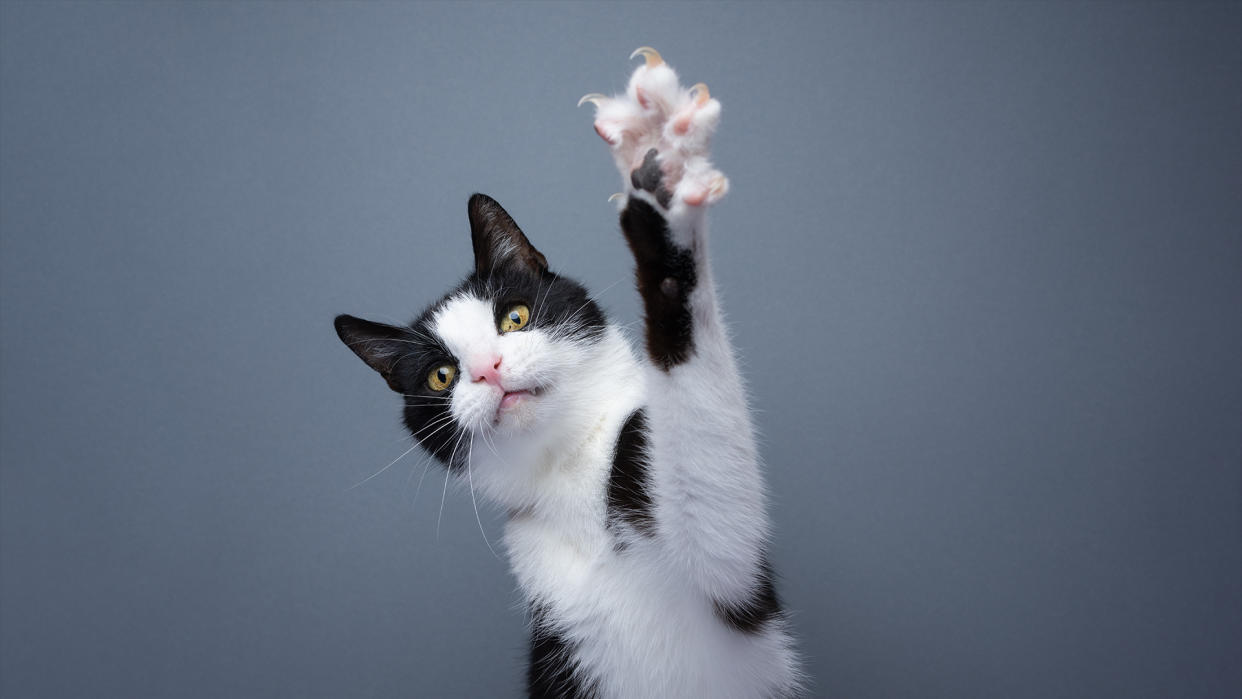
pixel 485 369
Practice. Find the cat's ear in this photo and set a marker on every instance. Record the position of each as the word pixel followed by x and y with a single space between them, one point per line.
pixel 380 346
pixel 498 240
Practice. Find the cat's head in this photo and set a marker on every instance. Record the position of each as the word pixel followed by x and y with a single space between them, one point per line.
pixel 509 354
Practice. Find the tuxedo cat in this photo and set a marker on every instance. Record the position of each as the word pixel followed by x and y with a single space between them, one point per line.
pixel 636 519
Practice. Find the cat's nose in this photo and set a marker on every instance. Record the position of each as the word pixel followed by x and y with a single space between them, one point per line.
pixel 486 369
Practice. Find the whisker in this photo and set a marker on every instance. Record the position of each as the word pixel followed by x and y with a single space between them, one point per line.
pixel 419 488
pixel 410 477
pixel 447 472
pixel 426 467
pixel 590 298
pixel 539 303
pixel 390 463
pixel 441 421
pixel 470 479
pixel 596 296
pixel 492 446
pixel 429 436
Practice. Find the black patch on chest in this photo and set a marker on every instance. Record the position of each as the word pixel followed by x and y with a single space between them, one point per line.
pixel 629 493
pixel 551 673
pixel 666 276
pixel 753 613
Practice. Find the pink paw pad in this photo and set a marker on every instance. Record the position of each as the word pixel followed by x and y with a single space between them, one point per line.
pixel 656 113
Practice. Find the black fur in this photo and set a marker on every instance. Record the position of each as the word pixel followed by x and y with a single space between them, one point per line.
pixel 496 238
pixel 556 303
pixel 666 276
pixel 508 270
pixel 380 346
pixel 629 497
pixel 550 674
pixel 408 355
pixel 750 615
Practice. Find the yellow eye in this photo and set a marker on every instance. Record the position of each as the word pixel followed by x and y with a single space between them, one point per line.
pixel 515 318
pixel 441 377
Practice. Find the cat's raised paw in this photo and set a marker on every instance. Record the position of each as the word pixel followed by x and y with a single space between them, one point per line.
pixel 660 134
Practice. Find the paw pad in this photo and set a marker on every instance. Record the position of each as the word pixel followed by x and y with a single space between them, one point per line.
pixel 660 133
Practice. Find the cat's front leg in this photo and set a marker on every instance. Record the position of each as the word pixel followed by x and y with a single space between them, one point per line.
pixel 706 490
pixel 660 133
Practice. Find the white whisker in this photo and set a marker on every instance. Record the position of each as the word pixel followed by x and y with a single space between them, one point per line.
pixel 447 472
pixel 470 480
pixel 390 463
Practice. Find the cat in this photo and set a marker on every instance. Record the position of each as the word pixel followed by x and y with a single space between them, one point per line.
pixel 636 518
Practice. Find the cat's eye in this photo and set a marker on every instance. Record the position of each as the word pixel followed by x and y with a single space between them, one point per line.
pixel 440 377
pixel 515 318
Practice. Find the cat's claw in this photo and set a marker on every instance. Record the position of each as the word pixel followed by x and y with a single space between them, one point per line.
pixel 652 56
pixel 700 93
pixel 659 133
pixel 593 97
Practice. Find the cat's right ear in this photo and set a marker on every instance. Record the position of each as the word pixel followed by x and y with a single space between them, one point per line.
pixel 498 240
pixel 380 346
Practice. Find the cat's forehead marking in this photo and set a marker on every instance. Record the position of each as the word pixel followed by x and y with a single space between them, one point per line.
pixel 466 324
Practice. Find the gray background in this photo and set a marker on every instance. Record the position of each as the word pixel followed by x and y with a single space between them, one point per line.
pixel 983 263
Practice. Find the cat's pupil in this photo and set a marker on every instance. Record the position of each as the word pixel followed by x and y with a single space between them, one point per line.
pixel 442 375
pixel 513 316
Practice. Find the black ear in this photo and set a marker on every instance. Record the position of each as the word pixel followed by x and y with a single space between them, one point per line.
pixel 498 240
pixel 380 346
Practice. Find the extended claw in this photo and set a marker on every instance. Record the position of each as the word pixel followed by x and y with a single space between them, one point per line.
pixel 700 93
pixel 616 196
pixel 651 55
pixel 594 98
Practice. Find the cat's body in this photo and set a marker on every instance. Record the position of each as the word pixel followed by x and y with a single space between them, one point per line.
pixel 636 524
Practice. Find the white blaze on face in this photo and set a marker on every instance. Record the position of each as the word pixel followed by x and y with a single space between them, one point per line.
pixel 560 387
pixel 466 327
pixel 466 324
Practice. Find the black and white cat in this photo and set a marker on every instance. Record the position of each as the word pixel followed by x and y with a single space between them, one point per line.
pixel 637 523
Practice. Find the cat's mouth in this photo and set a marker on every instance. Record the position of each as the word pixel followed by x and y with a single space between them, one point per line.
pixel 512 399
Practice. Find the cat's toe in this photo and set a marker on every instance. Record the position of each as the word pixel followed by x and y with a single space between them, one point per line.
pixel 654 84
pixel 660 132
pixel 703 188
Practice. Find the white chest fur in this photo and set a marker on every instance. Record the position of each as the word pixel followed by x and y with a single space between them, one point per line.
pixel 636 630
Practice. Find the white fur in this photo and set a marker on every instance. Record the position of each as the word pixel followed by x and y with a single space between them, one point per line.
pixel 640 616
pixel 535 455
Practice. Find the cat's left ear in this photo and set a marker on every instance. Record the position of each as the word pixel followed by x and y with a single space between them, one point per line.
pixel 498 241
pixel 380 346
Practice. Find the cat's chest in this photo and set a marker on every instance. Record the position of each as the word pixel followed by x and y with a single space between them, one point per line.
pixel 636 630
pixel 589 585
pixel 554 558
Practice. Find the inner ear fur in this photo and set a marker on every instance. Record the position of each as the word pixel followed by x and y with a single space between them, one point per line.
pixel 380 346
pixel 497 239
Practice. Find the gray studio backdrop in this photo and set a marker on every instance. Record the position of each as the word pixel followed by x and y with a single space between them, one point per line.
pixel 983 264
